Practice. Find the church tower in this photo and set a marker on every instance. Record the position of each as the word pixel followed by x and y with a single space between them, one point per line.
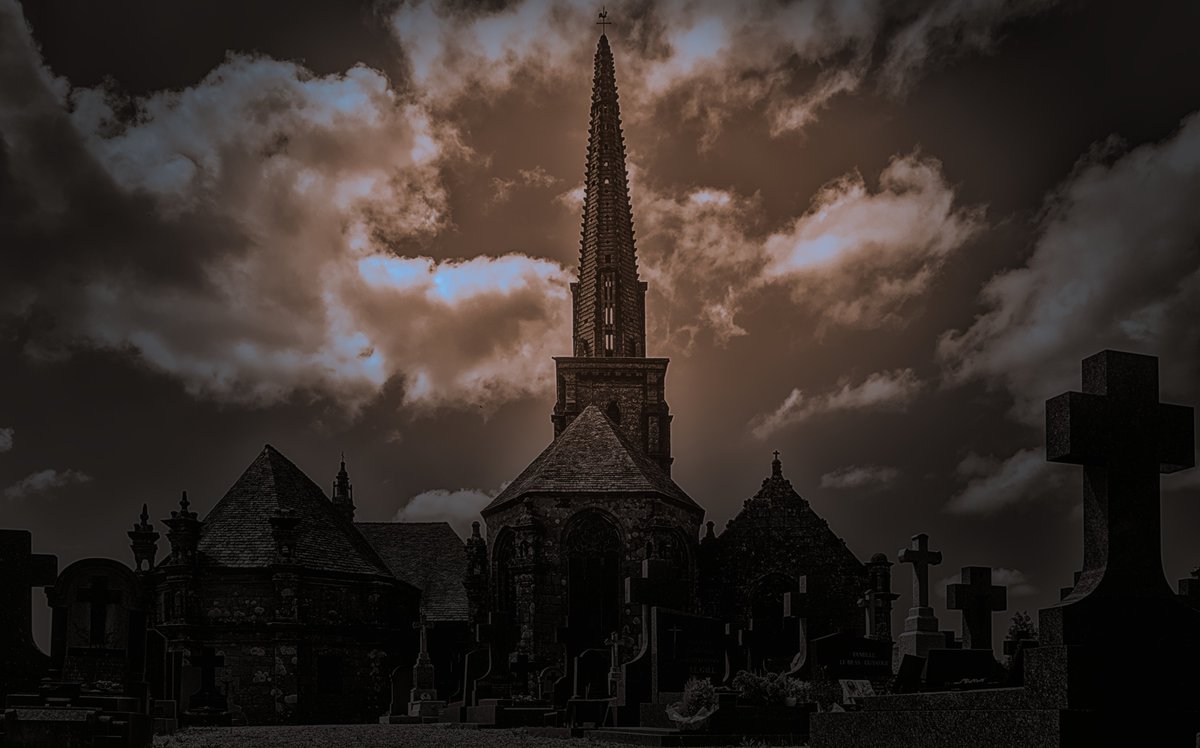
pixel 609 368
pixel 598 502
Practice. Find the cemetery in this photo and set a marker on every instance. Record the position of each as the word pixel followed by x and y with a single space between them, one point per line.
pixel 592 602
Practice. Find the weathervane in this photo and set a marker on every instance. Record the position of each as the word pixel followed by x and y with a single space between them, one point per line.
pixel 603 22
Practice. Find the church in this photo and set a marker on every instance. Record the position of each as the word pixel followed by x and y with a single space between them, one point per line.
pixel 279 607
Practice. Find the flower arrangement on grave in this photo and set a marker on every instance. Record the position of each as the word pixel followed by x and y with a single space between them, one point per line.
pixel 697 705
pixel 104 686
pixel 825 692
pixel 770 689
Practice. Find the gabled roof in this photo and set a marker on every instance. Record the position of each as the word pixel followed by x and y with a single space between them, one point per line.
pixel 591 456
pixel 429 556
pixel 237 532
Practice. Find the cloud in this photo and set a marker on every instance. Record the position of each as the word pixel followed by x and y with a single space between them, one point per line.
pixel 260 235
pixel 857 257
pixel 858 476
pixel 885 390
pixel 44 481
pixel 460 508
pixel 6 439
pixel 535 177
pixel 993 484
pixel 707 60
pixel 1115 265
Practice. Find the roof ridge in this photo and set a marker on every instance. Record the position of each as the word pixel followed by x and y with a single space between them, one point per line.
pixel 626 469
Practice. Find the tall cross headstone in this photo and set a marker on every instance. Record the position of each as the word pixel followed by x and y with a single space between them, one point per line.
pixel 978 599
pixel 921 626
pixel 921 558
pixel 1124 438
pixel 21 662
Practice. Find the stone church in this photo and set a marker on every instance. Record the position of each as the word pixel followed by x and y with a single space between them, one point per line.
pixel 277 607
pixel 599 500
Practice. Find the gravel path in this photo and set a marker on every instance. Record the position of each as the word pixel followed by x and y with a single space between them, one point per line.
pixel 366 736
pixel 359 736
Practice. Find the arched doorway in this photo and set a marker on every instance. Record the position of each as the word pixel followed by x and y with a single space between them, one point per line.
pixel 592 552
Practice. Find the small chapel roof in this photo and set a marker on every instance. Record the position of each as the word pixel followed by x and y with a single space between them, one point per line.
pixel 429 556
pixel 591 456
pixel 237 532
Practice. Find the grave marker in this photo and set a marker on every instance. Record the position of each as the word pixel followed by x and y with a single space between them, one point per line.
pixel 978 599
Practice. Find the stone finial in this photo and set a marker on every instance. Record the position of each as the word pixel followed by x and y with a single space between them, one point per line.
pixel 143 540
pixel 183 533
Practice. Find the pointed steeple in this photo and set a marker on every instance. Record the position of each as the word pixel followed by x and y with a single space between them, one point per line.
pixel 609 300
pixel 144 541
pixel 343 492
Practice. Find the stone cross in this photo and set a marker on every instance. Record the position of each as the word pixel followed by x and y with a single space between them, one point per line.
pixel 23 570
pixel 422 624
pixel 99 597
pixel 869 602
pixel 977 598
pixel 1124 437
pixel 919 555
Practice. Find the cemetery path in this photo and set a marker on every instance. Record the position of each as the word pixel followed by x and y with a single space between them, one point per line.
pixel 361 736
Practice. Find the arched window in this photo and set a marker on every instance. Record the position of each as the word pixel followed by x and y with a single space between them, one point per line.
pixel 613 411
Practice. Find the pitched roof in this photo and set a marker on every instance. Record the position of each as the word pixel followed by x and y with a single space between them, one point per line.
pixel 427 555
pixel 591 456
pixel 237 532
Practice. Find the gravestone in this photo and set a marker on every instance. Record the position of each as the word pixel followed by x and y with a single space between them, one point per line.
pixel 423 698
pixel 98 649
pixel 978 599
pixel 21 662
pixel 98 625
pixel 961 668
pixel 499 636
pixel 656 585
pixel 684 646
pixel 795 611
pixel 921 626
pixel 844 656
pixel 1086 683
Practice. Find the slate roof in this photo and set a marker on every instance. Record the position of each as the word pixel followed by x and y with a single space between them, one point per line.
pixel 237 532
pixel 427 555
pixel 591 456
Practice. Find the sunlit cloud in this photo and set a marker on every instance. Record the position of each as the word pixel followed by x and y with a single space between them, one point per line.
pixel 885 390
pixel 993 484
pixel 1133 220
pixel 458 507
pixel 6 439
pixel 711 59
pixel 859 476
pixel 44 482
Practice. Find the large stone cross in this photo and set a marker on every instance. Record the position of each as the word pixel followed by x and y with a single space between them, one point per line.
pixel 977 598
pixel 99 597
pixel 23 570
pixel 1124 438
pixel 919 555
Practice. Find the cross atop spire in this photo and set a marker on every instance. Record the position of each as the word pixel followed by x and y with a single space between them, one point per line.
pixel 603 22
pixel 609 300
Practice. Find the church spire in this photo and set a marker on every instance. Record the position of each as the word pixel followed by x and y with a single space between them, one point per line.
pixel 609 300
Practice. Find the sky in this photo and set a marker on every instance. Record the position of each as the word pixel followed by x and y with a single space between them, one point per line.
pixel 877 236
